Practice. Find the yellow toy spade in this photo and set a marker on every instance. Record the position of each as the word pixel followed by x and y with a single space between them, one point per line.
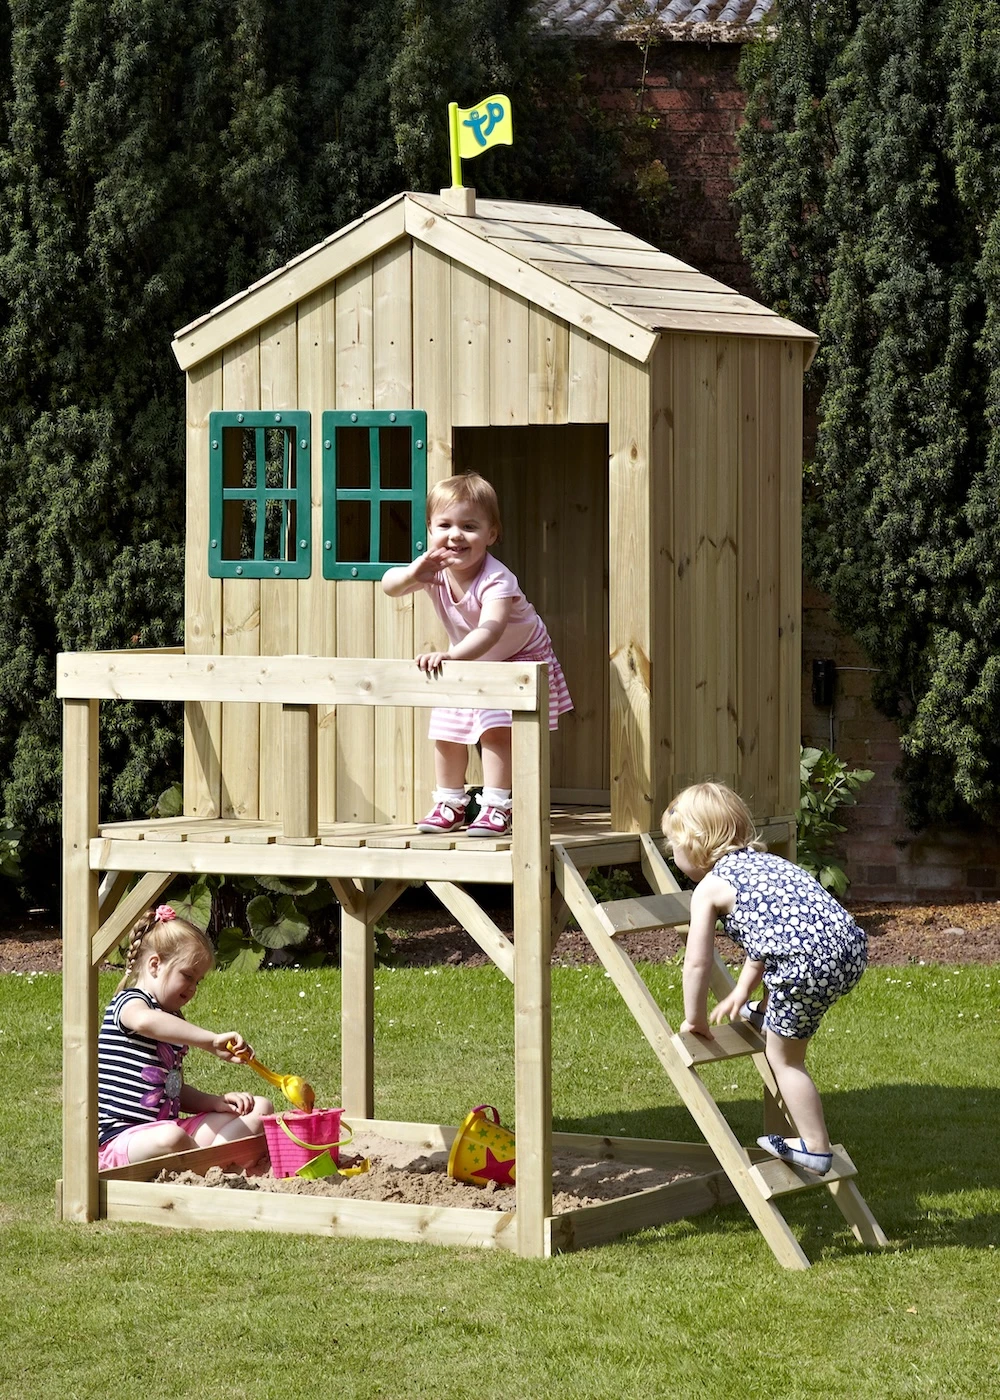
pixel 294 1088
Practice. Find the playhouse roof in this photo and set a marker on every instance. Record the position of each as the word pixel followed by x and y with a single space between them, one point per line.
pixel 576 265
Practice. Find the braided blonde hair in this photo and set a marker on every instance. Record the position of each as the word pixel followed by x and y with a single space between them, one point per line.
pixel 709 820
pixel 160 931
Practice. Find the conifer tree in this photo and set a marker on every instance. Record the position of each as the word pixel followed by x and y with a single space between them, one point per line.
pixel 160 156
pixel 882 224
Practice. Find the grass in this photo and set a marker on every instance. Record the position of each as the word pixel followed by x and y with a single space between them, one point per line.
pixel 906 1065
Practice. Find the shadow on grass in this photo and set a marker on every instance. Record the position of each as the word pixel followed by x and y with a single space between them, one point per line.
pixel 926 1167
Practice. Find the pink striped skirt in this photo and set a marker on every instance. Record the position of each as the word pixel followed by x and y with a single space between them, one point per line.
pixel 461 726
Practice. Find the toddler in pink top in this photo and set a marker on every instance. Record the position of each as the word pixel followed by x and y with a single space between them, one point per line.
pixel 487 618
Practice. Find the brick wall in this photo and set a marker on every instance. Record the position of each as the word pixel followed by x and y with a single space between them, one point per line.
pixel 883 857
pixel 692 89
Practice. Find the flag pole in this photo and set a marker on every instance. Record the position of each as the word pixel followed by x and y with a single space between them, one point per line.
pixel 456 163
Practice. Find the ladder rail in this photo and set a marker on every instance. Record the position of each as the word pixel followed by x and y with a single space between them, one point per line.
pixel 756 1182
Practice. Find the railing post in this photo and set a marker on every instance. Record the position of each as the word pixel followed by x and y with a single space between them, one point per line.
pixel 299 790
pixel 79 924
pixel 531 851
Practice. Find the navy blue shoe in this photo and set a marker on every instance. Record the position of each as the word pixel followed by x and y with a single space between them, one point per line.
pixel 793 1152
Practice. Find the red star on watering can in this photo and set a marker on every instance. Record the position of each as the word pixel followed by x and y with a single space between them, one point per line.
pixel 495 1170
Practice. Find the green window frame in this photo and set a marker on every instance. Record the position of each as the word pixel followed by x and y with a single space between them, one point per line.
pixel 374 490
pixel 259 510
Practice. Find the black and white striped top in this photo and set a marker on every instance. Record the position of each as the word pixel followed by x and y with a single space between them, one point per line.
pixel 139 1080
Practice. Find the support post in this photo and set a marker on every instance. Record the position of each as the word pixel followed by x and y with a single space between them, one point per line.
pixel 79 924
pixel 357 1015
pixel 531 854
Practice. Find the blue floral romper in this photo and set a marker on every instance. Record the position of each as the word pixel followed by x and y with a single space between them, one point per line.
pixel 812 950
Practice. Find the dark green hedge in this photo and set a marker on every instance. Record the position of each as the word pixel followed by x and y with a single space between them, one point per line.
pixel 869 192
pixel 157 156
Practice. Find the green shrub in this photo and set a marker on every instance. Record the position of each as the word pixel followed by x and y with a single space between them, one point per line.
pixel 826 784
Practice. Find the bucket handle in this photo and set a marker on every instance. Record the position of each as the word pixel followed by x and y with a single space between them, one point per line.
pixel 313 1146
pixel 488 1108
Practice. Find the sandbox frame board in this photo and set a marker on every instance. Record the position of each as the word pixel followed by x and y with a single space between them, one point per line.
pixel 130 1194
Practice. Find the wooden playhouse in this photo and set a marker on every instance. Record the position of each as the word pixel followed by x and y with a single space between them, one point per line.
pixel 642 425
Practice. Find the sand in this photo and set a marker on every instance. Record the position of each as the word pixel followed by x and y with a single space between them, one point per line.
pixel 406 1172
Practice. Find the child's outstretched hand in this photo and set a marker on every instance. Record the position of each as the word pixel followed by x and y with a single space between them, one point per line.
pixel 431 660
pixel 726 1009
pixel 239 1102
pixel 696 1028
pixel 231 1046
pixel 427 566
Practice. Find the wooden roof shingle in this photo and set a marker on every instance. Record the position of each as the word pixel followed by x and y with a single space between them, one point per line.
pixel 575 264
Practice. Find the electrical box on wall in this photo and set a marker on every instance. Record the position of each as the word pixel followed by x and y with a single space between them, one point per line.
pixel 824 683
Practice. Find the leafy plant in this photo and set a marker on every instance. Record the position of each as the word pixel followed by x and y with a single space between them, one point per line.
pixel 826 784
pixel 10 865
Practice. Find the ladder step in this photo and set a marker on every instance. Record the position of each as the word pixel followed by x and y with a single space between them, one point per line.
pixel 777 1178
pixel 730 1042
pixel 646 912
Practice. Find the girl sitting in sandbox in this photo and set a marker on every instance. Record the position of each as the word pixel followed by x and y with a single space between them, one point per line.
pixel 141 1048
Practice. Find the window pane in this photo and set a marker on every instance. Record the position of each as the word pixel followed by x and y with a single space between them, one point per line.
pixel 279 530
pixel 239 525
pixel 354 471
pixel 395 539
pixel 394 451
pixel 279 459
pixel 353 531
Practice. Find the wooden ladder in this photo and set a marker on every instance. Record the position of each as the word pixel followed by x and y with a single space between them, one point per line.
pixel 758 1178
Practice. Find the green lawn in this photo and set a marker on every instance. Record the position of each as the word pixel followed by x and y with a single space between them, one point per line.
pixel 908 1067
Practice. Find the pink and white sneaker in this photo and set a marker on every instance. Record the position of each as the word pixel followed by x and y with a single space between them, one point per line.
pixel 443 818
pixel 491 821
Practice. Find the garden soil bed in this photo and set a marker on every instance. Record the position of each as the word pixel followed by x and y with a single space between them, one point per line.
pixel 403 1172
pixel 422 937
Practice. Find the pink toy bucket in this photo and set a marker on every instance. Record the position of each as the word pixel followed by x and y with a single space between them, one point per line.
pixel 293 1139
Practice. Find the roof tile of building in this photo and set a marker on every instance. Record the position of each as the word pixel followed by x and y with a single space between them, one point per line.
pixel 700 21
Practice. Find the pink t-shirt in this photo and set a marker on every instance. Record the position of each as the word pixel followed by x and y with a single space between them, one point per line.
pixel 461 615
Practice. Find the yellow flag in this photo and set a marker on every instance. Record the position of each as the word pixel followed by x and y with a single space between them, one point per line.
pixel 485 125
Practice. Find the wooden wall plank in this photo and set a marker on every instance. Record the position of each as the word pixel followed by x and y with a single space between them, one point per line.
pixel 279 634
pixel 548 368
pixel 317 611
pixel 661 627
pixel 432 380
pixel 508 357
pixel 241 615
pixel 724 527
pixel 686 468
pixel 790 584
pixel 588 378
pixel 470 299
pixel 770 614
pixel 202 598
pixel 629 444
pixel 704 426
pixel 392 334
pixel 355 597
pixel 749 629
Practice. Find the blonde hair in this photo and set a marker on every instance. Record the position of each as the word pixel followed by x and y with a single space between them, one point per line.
pixel 709 820
pixel 161 931
pixel 466 489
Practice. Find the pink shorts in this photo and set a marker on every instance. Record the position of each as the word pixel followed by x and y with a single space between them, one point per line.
pixel 114 1153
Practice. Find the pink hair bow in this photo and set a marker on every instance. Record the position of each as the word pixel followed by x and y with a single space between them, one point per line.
pixel 163 914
